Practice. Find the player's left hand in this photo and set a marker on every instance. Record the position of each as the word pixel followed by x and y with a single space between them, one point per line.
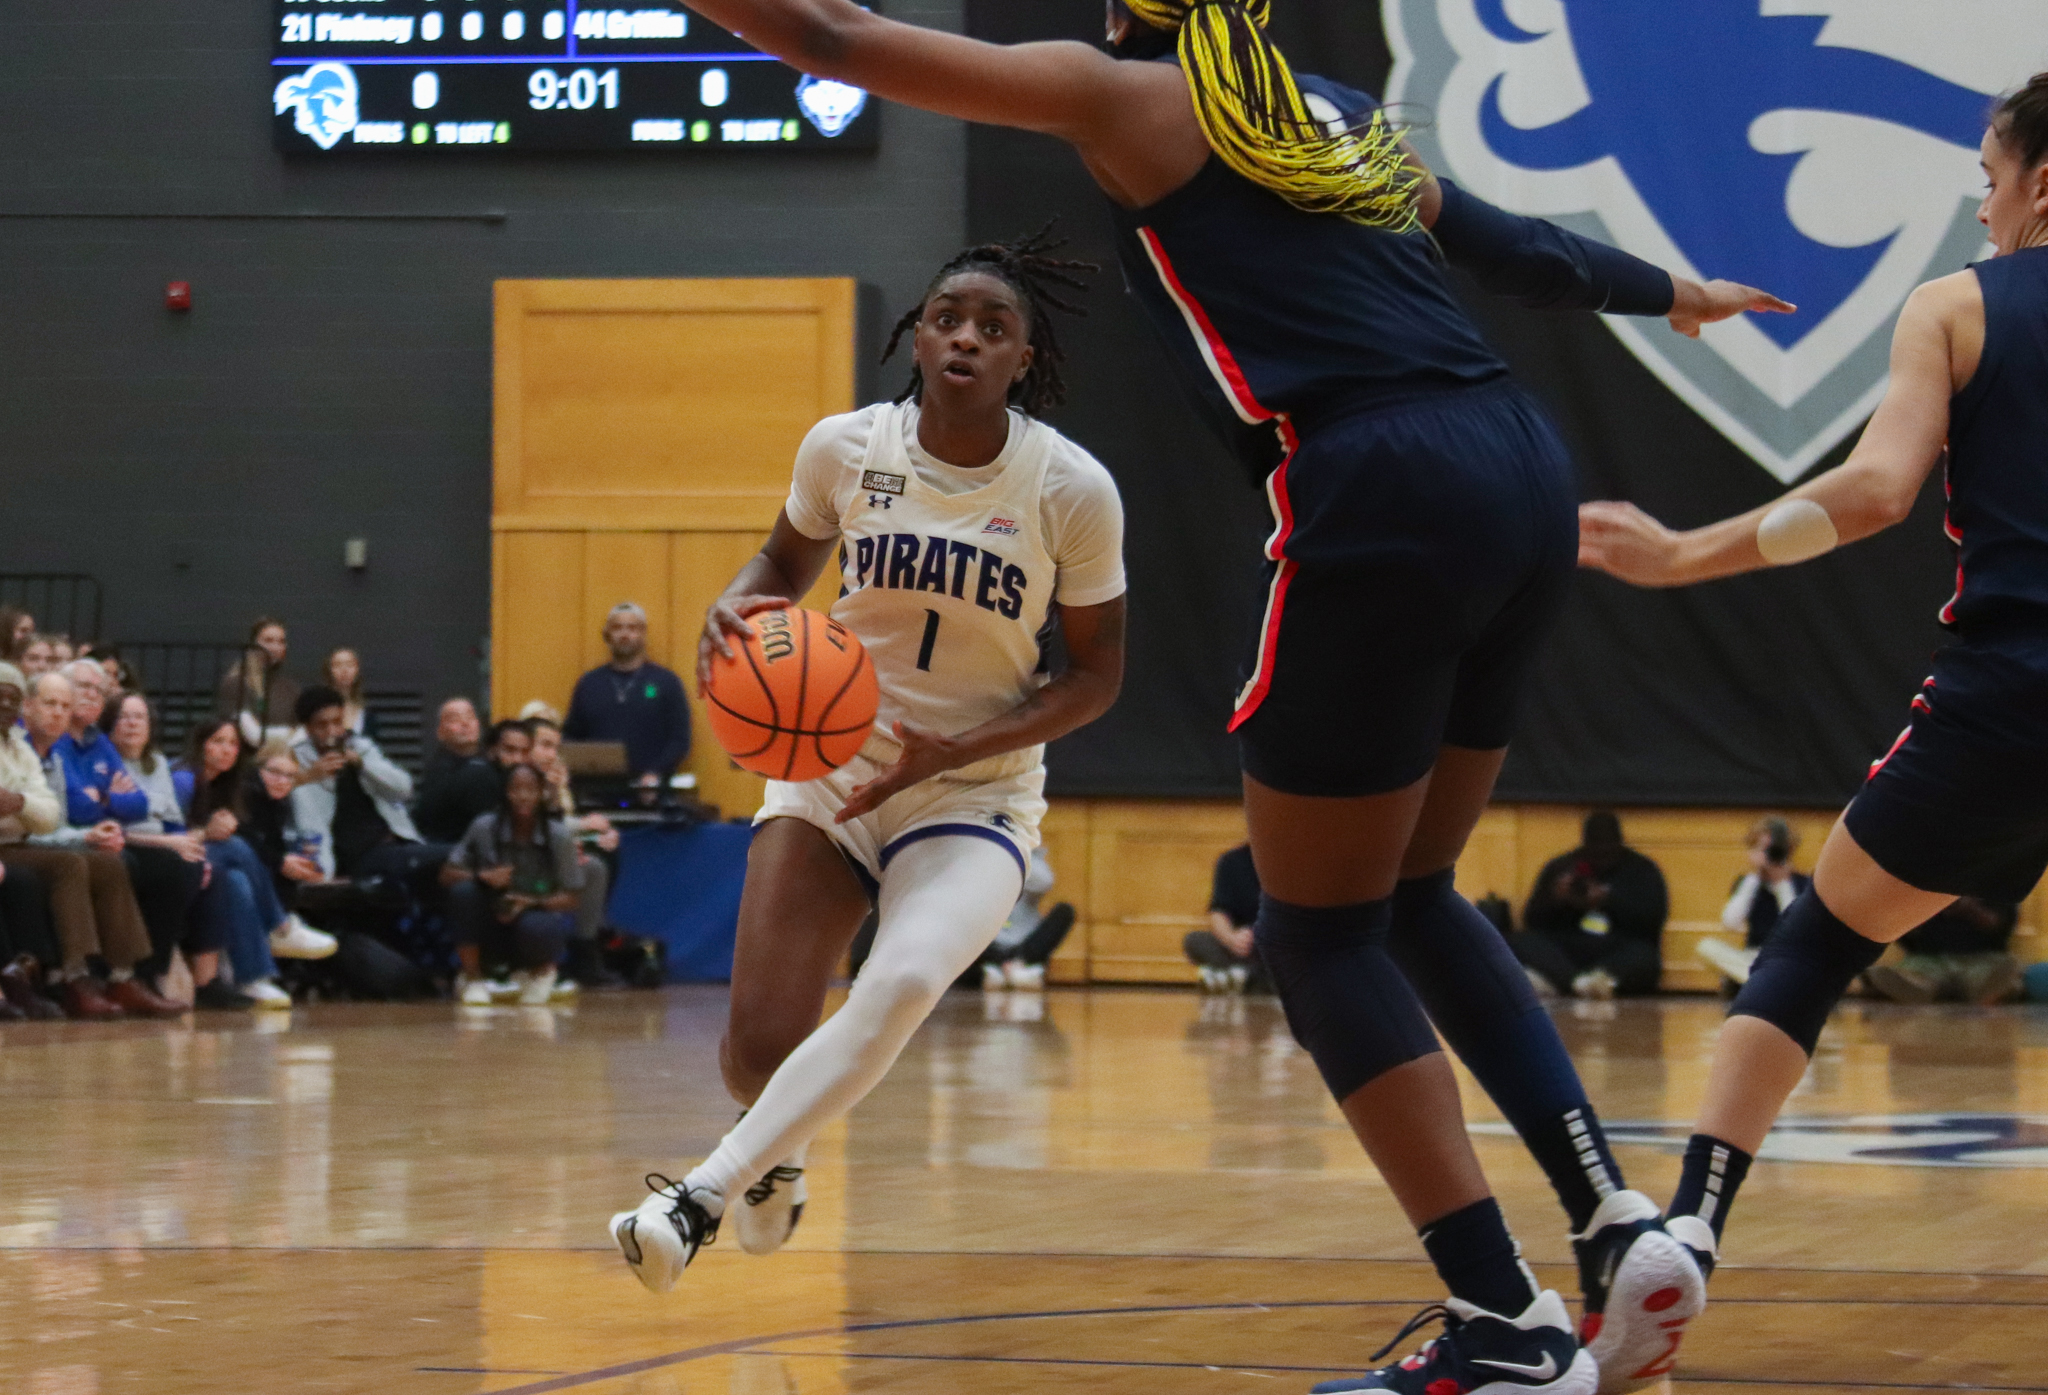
pixel 1623 541
pixel 1693 304
pixel 925 754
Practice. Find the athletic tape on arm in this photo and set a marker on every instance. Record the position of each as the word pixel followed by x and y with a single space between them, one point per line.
pixel 1797 530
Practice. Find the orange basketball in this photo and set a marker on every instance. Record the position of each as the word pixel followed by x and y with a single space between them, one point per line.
pixel 797 698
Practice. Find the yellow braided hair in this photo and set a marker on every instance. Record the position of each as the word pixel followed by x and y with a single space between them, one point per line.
pixel 1255 118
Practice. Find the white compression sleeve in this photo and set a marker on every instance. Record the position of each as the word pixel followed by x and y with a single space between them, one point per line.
pixel 943 899
pixel 1796 530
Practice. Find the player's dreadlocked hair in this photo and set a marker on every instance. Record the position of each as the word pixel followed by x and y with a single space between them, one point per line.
pixel 1028 267
pixel 1256 119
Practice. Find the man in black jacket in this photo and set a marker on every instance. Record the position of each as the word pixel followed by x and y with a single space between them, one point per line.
pixel 457 783
pixel 1594 925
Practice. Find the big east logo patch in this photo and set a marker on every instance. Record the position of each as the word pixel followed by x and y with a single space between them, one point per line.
pixel 1825 150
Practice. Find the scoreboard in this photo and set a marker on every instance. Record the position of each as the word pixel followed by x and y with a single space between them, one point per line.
pixel 415 76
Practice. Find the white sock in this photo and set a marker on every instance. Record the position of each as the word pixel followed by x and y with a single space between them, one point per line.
pixel 943 899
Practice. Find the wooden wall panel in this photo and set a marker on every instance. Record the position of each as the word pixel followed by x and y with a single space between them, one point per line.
pixel 1150 866
pixel 662 404
pixel 536 617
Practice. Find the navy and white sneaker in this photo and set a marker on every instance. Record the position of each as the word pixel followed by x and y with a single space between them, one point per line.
pixel 774 1205
pixel 1482 1353
pixel 1642 1286
pixel 1698 1237
pixel 662 1235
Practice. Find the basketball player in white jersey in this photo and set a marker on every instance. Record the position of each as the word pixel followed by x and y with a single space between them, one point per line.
pixel 964 527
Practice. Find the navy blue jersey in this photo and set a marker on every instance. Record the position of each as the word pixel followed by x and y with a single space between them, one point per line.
pixel 1998 453
pixel 1272 312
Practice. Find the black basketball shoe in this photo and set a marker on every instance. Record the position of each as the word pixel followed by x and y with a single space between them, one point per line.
pixel 1482 1353
pixel 1641 1286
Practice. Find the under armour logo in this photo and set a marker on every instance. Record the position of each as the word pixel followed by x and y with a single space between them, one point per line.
pixel 879 501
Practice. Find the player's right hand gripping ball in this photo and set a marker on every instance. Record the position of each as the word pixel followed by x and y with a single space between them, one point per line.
pixel 797 698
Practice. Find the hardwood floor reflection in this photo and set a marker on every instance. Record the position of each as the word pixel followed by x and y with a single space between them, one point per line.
pixel 1114 1191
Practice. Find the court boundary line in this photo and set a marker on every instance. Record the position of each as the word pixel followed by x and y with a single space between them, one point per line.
pixel 740 1346
pixel 1226 1366
pixel 752 1346
pixel 1723 1268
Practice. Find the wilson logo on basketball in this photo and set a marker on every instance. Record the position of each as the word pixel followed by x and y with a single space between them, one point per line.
pixel 1001 525
pixel 795 697
pixel 776 640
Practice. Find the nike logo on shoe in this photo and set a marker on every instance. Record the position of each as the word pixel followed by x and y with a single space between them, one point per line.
pixel 1545 1371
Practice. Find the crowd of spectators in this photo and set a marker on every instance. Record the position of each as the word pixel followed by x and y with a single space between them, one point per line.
pixel 135 882
pixel 138 883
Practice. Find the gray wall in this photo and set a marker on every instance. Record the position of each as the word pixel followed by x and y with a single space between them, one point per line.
pixel 334 377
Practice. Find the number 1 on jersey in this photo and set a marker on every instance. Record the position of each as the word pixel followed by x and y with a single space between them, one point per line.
pixel 931 637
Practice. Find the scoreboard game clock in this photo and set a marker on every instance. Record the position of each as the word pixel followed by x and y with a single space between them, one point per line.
pixel 406 76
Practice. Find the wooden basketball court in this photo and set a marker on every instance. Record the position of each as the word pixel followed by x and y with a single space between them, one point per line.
pixel 1110 1190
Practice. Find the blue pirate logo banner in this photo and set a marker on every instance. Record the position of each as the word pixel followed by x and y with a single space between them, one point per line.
pixel 1825 150
pixel 1897 1140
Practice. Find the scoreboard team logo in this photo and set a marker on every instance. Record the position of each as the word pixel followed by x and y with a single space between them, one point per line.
pixel 324 101
pixel 1825 150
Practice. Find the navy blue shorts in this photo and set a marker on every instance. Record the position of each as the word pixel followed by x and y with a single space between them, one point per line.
pixel 1960 803
pixel 1422 552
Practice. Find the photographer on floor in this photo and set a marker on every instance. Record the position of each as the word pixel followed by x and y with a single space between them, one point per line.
pixel 1759 896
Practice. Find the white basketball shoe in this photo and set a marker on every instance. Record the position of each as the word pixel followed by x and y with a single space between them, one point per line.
pixel 1642 1286
pixel 662 1235
pixel 773 1207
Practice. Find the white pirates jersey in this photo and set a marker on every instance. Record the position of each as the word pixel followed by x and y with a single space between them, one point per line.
pixel 951 592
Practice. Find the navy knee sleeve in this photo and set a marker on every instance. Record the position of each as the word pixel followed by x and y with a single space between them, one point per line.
pixel 1480 998
pixel 1346 1000
pixel 1803 970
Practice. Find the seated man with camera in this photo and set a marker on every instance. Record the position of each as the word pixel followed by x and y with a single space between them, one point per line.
pixel 350 802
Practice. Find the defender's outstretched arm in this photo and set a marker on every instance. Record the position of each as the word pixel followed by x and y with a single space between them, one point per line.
pixel 1068 90
pixel 1933 354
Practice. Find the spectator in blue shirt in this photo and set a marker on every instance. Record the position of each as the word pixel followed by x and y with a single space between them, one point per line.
pixel 169 872
pixel 96 785
pixel 634 700
pixel 92 897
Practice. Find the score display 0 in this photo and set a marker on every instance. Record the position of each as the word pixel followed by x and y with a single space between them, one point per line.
pixel 440 75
